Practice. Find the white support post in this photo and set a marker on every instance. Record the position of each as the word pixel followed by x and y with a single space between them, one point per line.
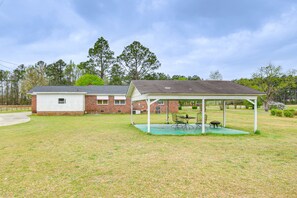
pixel 148 115
pixel 167 112
pixel 203 116
pixel 131 117
pixel 224 113
pixel 255 116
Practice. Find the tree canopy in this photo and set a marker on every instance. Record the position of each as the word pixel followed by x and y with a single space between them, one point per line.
pixel 138 61
pixel 100 60
pixel 268 80
pixel 215 75
pixel 89 79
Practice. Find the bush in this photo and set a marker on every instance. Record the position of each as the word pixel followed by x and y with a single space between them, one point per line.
pixel 273 112
pixel 276 105
pixel 194 107
pixel 89 79
pixel 279 113
pixel 180 108
pixel 258 132
pixel 288 113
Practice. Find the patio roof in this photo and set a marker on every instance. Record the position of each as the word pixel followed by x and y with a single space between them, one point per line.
pixel 192 89
pixel 154 90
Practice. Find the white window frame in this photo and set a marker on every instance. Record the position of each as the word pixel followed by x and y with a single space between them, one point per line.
pixel 102 102
pixel 61 100
pixel 119 102
pixel 158 102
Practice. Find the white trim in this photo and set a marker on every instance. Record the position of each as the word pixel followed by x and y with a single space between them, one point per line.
pixel 103 100
pixel 218 97
pixel 203 116
pixel 255 116
pixel 154 101
pixel 105 94
pixel 161 103
pixel 250 101
pixel 120 97
pixel 148 115
pixel 57 93
pixel 105 97
pixel 119 104
pixel 224 113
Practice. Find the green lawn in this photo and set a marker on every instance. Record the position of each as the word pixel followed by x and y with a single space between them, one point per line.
pixel 102 155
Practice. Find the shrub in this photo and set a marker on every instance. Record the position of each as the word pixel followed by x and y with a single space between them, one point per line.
pixel 288 113
pixel 273 112
pixel 194 107
pixel 276 105
pixel 279 113
pixel 180 108
pixel 258 132
pixel 292 110
pixel 89 79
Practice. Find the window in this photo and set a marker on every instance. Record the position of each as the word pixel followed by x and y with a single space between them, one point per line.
pixel 102 102
pixel 61 101
pixel 160 102
pixel 119 102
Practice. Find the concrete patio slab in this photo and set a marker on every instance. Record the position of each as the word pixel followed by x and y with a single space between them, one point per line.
pixel 14 118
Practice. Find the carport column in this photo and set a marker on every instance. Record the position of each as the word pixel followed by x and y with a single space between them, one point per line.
pixel 255 115
pixel 167 112
pixel 148 102
pixel 224 113
pixel 203 116
pixel 131 117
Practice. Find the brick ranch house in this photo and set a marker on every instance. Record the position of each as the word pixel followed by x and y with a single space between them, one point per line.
pixel 78 100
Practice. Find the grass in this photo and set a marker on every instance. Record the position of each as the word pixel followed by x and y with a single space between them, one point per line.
pixel 14 111
pixel 104 156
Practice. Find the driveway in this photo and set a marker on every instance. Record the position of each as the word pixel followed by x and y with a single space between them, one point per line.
pixel 14 118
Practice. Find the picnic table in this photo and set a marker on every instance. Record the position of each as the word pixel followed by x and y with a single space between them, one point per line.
pixel 215 123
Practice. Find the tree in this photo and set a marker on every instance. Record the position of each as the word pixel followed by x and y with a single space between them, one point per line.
pixel 268 80
pixel 72 73
pixel 34 76
pixel 116 75
pixel 215 75
pixel 86 68
pixel 157 76
pixel 138 61
pixel 100 58
pixel 194 77
pixel 89 79
pixel 15 79
pixel 55 73
pixel 178 77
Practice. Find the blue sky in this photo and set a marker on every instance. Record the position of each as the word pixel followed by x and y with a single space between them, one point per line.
pixel 190 37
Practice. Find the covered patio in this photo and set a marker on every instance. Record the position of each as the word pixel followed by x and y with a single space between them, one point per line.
pixel 152 91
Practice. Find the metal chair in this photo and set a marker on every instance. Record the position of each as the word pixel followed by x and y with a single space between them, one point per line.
pixel 178 121
pixel 199 120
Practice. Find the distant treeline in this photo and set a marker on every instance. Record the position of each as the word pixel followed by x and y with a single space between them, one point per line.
pixel 136 62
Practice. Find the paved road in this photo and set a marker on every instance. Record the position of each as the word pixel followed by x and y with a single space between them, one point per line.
pixel 14 118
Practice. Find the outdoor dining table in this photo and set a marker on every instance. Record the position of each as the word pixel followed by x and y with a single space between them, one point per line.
pixel 187 118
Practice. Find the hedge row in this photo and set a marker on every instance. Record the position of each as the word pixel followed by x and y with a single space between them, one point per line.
pixel 280 113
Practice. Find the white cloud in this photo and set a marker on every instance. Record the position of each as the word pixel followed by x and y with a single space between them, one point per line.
pixel 241 53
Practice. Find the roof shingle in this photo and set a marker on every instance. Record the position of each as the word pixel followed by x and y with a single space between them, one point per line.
pixel 193 87
pixel 108 89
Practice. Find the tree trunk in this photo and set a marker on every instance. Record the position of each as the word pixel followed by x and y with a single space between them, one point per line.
pixel 266 107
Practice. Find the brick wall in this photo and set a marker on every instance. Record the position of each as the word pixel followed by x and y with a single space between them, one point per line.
pixel 141 105
pixel 60 113
pixel 91 106
pixel 33 104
